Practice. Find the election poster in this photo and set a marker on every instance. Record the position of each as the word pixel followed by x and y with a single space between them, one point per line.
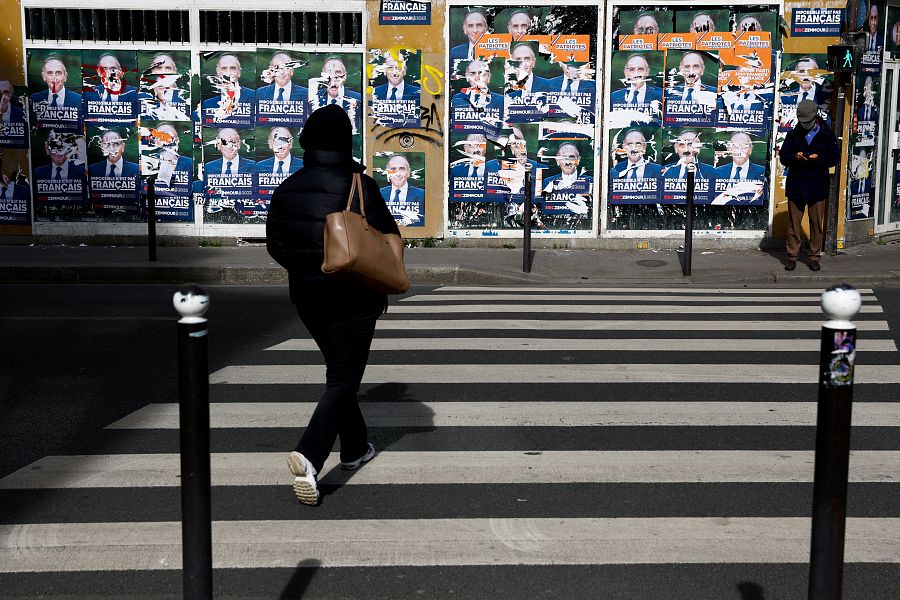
pixel 870 60
pixel 506 174
pixel 229 172
pixel 866 113
pixel 227 88
pixel 394 77
pixel 282 95
pixel 467 166
pixel 165 85
pixel 804 77
pixel 15 187
pixel 114 171
pixel 404 12
pixel 740 169
pixel 892 42
pixel 567 185
pixel 861 184
pixel 54 85
pixel 58 161
pixel 278 156
pixel 527 82
pixel 477 101
pixel 816 21
pixel 109 91
pixel 166 156
pixel 337 79
pixel 401 178
pixel 637 95
pixel 13 122
pixel 684 146
pixel 746 82
pixel 690 88
pixel 635 176
pixel 571 84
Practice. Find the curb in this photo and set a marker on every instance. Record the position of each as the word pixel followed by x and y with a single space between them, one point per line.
pixel 418 274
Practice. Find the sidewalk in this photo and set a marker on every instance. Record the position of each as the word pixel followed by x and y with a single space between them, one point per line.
pixel 248 265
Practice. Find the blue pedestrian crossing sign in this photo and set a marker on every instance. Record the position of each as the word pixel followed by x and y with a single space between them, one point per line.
pixel 843 58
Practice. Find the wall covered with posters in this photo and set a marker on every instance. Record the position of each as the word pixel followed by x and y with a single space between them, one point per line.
pixel 606 104
pixel 219 143
pixel 690 87
pixel 523 91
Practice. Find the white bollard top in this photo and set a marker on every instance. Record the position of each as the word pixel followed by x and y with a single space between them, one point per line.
pixel 191 301
pixel 840 303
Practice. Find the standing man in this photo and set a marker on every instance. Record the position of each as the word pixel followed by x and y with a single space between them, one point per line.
pixel 474 26
pixel 808 152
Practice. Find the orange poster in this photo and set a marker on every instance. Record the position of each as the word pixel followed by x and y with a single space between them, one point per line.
pixel 677 41
pixel 638 43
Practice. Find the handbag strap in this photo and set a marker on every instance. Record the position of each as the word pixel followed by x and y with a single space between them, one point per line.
pixel 356 189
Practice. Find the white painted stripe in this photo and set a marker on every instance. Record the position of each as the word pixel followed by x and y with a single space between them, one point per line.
pixel 610 297
pixel 236 415
pixel 641 290
pixel 614 309
pixel 459 467
pixel 439 542
pixel 555 373
pixel 492 324
pixel 680 344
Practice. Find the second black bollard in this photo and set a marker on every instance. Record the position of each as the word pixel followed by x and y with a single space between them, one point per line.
pixel 151 216
pixel 829 512
pixel 191 302
pixel 688 222
pixel 526 225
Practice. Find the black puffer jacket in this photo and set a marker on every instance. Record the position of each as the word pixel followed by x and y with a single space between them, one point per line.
pixel 809 180
pixel 296 219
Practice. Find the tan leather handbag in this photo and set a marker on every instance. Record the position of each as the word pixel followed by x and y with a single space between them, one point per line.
pixel 355 249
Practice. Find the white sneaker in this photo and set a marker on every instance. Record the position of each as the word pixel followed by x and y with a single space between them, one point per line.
pixel 305 487
pixel 355 464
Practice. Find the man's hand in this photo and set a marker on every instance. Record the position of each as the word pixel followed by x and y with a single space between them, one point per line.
pixel 800 156
pixel 813 156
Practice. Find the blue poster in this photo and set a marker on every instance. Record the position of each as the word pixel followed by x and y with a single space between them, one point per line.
pixel 405 12
pixel 13 123
pixel 816 22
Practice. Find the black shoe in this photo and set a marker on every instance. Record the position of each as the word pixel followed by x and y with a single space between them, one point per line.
pixel 790 265
pixel 814 265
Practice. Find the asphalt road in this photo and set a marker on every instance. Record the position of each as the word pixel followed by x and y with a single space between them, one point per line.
pixel 78 357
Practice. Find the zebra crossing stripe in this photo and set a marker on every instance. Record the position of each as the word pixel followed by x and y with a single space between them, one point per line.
pixel 489 323
pixel 459 467
pixel 236 415
pixel 494 297
pixel 642 290
pixel 553 373
pixel 604 344
pixel 616 309
pixel 71 547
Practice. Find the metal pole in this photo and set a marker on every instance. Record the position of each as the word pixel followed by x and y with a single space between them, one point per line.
pixel 191 302
pixel 151 217
pixel 837 123
pixel 688 221
pixel 829 511
pixel 526 228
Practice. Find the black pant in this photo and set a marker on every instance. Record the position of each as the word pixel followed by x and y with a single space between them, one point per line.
pixel 341 320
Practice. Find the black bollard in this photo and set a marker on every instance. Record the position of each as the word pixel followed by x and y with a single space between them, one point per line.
pixel 526 227
pixel 688 222
pixel 191 301
pixel 151 217
pixel 829 513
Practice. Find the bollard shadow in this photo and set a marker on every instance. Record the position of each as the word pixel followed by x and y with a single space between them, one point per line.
pixel 300 580
pixel 388 425
pixel 751 591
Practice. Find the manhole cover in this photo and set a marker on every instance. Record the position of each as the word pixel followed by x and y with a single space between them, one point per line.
pixel 651 263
